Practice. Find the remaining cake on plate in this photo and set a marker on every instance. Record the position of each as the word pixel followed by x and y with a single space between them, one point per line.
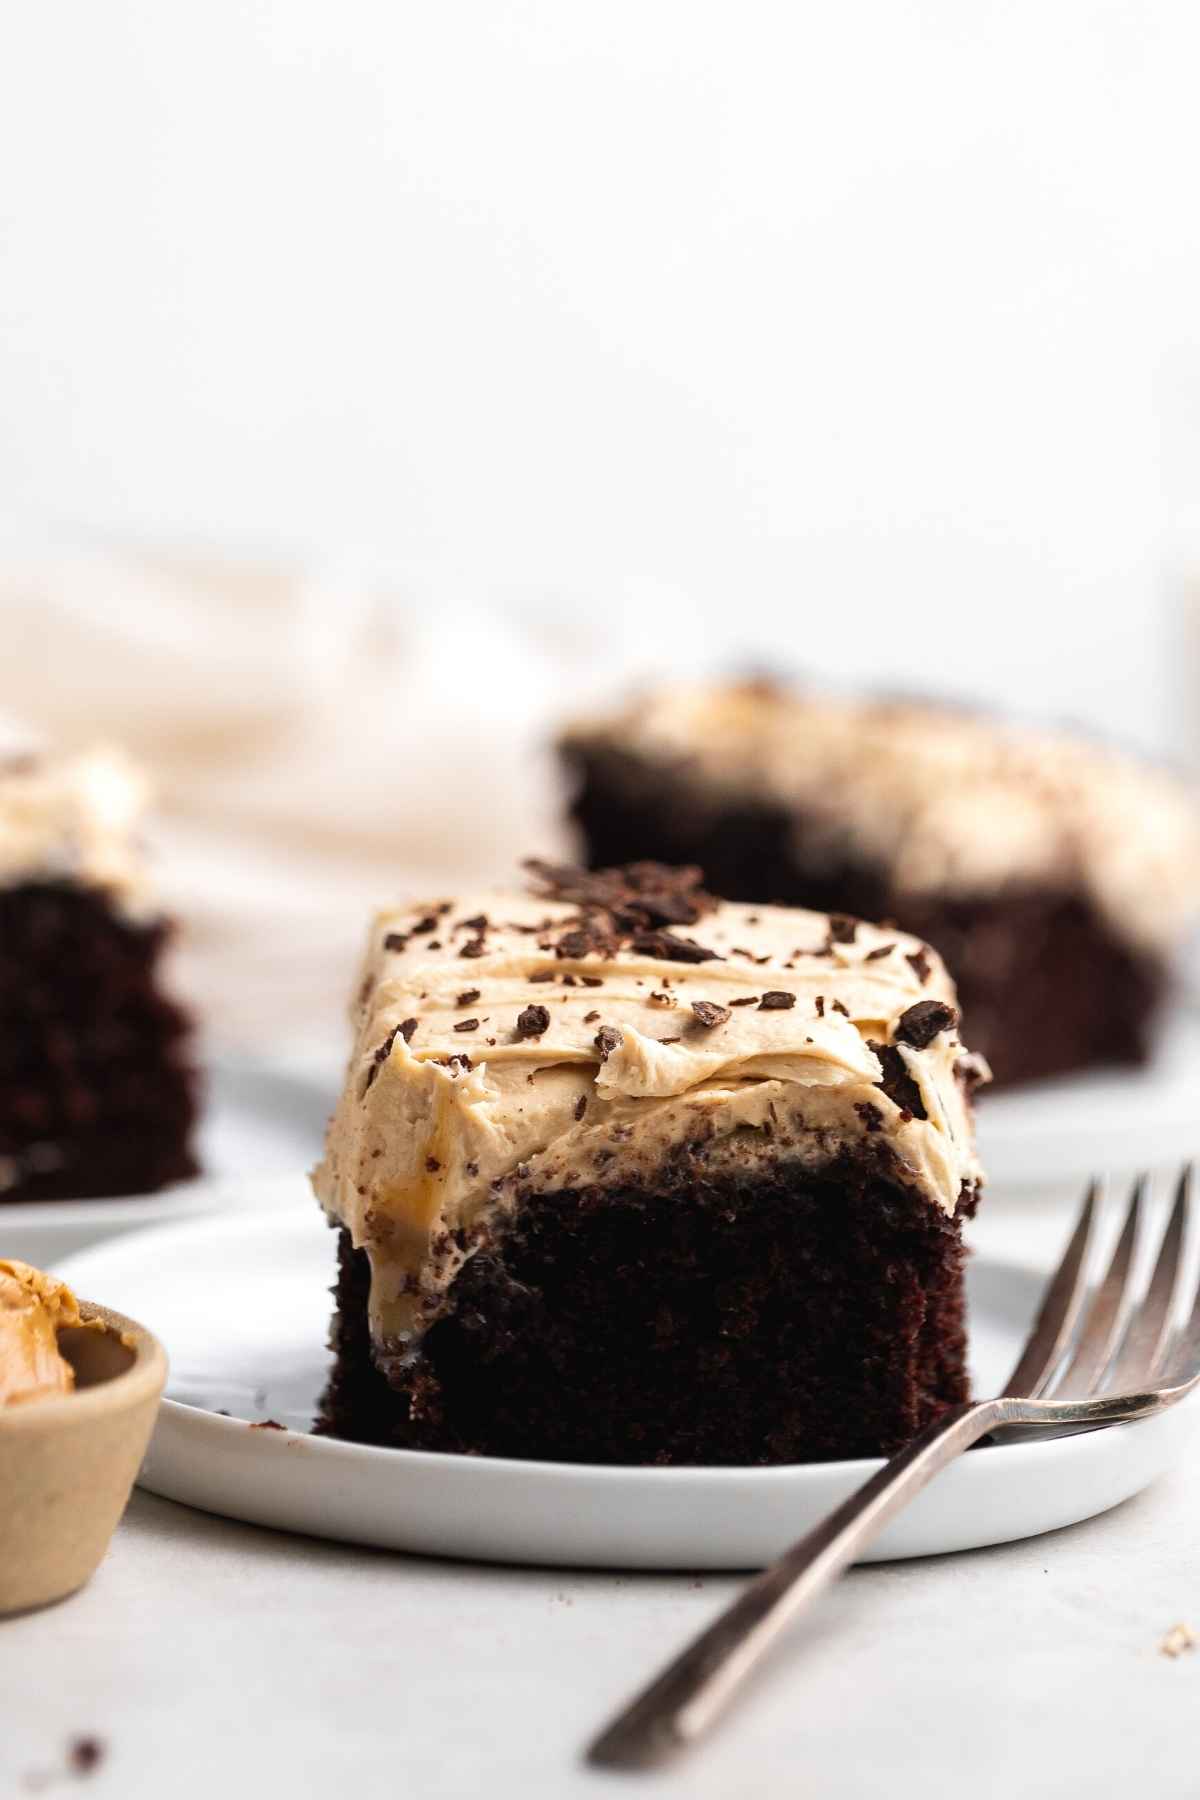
pixel 1056 877
pixel 96 1086
pixel 626 1174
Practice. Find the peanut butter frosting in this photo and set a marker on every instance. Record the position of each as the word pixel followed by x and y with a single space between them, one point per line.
pixel 945 800
pixel 74 818
pixel 581 1035
pixel 33 1309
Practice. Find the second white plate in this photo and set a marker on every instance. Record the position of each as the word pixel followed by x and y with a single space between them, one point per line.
pixel 242 1302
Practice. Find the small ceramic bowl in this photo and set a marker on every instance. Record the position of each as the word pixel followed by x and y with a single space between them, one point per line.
pixel 67 1464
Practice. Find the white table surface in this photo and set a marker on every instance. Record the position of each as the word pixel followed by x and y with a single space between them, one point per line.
pixel 216 1659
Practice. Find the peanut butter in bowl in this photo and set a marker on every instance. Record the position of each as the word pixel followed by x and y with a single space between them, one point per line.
pixel 33 1309
pixel 79 1392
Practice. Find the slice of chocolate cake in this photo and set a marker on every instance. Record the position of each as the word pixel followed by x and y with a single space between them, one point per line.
pixel 96 1085
pixel 1056 877
pixel 626 1174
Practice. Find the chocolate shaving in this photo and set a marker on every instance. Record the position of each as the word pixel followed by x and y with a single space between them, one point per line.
pixel 839 1008
pixel 468 997
pixel 532 1021
pixel 395 940
pixel 897 1083
pixel 921 964
pixel 870 1115
pixel 746 1000
pixel 474 947
pixel 776 1000
pixel 428 923
pixel 922 1022
pixel 432 1164
pixel 581 1106
pixel 645 893
pixel 87 1753
pixel 879 951
pixel 607 1039
pixel 710 1014
pixel 467 1025
pixel 666 947
pixel 590 1018
pixel 842 928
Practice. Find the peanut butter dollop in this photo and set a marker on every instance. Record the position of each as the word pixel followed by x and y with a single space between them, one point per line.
pixel 33 1308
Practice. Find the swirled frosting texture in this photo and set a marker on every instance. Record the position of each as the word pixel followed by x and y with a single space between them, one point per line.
pixel 944 800
pixel 74 818
pixel 514 1043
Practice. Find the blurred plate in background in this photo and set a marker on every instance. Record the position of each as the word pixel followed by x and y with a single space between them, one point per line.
pixel 1113 1121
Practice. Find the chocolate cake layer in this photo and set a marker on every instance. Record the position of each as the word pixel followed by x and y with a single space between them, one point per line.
pixel 627 1326
pixel 97 1094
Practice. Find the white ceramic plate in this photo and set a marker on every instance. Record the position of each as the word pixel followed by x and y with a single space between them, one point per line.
pixel 241 1301
pixel 266 1120
pixel 1063 1131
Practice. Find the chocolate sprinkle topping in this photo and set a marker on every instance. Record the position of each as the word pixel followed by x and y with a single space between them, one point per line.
pixel 428 923
pixel 406 1029
pixel 532 1021
pixel 842 928
pixel 922 1023
pixel 607 1039
pixel 879 951
pixel 921 963
pixel 710 1014
pixel 395 940
pixel 746 1000
pixel 665 946
pixel 645 893
pixel 474 947
pixel 467 1025
pixel 581 1106
pixel 897 1083
pixel 776 1000
pixel 468 997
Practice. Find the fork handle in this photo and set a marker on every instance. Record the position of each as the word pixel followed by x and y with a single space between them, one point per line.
pixel 681 1704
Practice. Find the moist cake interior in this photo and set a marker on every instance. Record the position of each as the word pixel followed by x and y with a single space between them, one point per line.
pixel 711 1321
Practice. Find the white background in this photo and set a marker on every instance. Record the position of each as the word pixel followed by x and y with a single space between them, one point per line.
pixel 862 334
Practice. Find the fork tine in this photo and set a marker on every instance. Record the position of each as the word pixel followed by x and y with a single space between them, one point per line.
pixel 1144 1350
pixel 1060 1309
pixel 1102 1324
pixel 1183 1358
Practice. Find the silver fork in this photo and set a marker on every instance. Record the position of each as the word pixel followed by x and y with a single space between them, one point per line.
pixel 1082 1367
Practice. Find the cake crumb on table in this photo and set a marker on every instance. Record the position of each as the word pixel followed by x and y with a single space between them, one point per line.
pixel 1178 1639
